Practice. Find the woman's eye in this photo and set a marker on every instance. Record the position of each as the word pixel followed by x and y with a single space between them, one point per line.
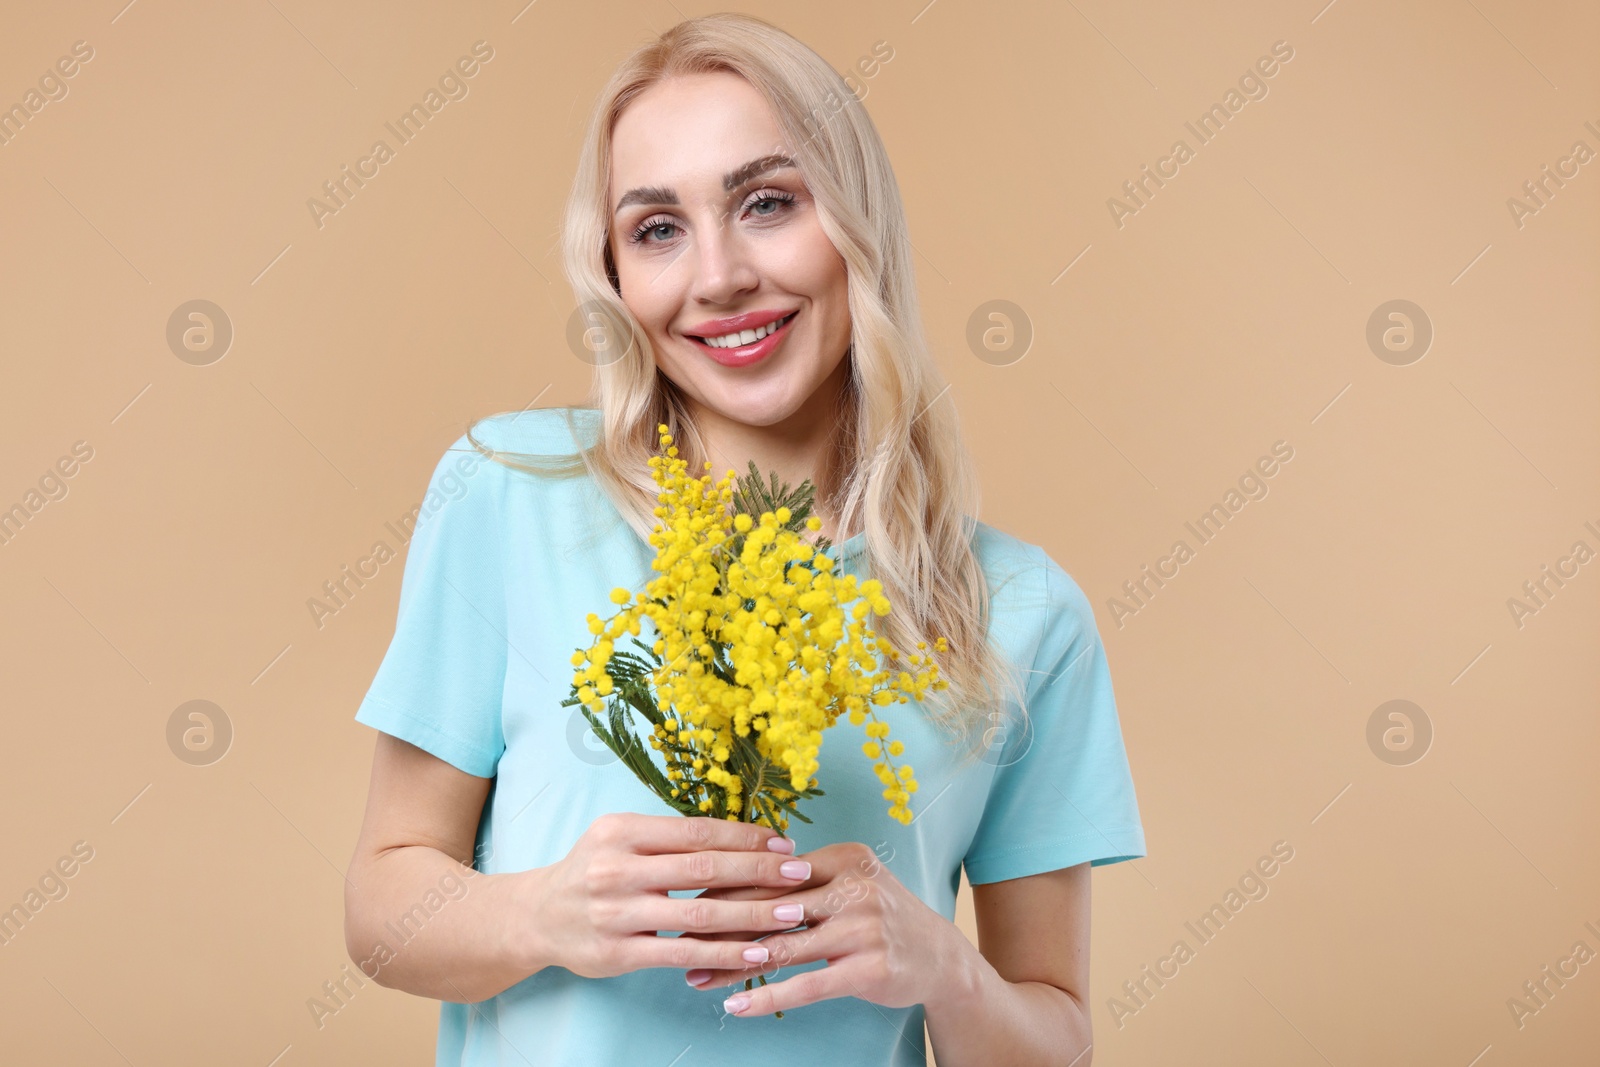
pixel 776 200
pixel 659 231
pixel 651 227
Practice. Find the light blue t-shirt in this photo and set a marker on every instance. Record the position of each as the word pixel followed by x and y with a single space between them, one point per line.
pixel 501 572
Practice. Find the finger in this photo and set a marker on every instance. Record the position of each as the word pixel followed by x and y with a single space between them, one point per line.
pixel 697 917
pixel 829 861
pixel 791 949
pixel 749 892
pixel 742 893
pixel 808 987
pixel 695 870
pixel 729 935
pixel 655 834
pixel 648 950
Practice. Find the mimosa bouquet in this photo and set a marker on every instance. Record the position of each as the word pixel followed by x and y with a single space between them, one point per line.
pixel 758 648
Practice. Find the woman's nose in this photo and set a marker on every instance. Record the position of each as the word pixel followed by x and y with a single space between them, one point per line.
pixel 722 265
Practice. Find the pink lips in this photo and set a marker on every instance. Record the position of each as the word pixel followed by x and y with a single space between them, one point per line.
pixel 745 355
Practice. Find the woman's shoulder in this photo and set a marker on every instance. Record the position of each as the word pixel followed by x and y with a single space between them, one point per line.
pixel 1027 586
pixel 553 431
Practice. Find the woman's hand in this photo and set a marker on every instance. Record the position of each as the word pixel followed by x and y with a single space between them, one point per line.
pixel 882 943
pixel 597 912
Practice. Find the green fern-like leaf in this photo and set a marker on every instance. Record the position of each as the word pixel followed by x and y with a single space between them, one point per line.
pixel 753 496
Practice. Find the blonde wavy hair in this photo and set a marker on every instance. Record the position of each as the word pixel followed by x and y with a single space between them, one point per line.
pixel 898 469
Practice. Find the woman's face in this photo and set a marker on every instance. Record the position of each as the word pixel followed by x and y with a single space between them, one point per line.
pixel 709 227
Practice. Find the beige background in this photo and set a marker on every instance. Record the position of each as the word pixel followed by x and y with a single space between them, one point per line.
pixel 1228 313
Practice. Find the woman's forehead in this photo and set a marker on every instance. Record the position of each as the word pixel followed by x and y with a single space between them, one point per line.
pixel 691 131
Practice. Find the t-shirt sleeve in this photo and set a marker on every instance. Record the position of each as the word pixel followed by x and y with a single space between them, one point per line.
pixel 1062 792
pixel 441 682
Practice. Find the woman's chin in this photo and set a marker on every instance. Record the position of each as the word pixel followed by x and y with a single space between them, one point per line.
pixel 757 407
pixel 767 400
pixel 756 414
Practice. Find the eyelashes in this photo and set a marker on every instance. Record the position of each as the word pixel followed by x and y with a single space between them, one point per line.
pixel 659 222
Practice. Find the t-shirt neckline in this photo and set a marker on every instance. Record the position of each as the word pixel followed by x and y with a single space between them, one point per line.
pixel 849 547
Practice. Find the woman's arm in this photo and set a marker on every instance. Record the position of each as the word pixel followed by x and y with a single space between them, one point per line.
pixel 411 887
pixel 1019 997
pixel 419 918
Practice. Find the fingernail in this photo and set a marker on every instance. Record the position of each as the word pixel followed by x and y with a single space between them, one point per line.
pixel 756 954
pixel 698 976
pixel 781 844
pixel 795 869
pixel 736 1003
pixel 788 913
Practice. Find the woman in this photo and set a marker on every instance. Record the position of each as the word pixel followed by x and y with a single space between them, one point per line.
pixel 736 217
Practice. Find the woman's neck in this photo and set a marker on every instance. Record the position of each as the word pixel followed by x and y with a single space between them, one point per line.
pixel 796 449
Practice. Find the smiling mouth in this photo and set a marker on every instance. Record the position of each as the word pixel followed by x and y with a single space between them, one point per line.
pixel 746 337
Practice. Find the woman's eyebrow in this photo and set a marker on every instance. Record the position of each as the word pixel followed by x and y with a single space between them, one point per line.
pixel 659 194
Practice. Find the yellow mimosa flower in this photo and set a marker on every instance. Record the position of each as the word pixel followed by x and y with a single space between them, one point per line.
pixel 758 647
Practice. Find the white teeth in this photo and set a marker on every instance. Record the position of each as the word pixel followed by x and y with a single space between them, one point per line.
pixel 746 337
